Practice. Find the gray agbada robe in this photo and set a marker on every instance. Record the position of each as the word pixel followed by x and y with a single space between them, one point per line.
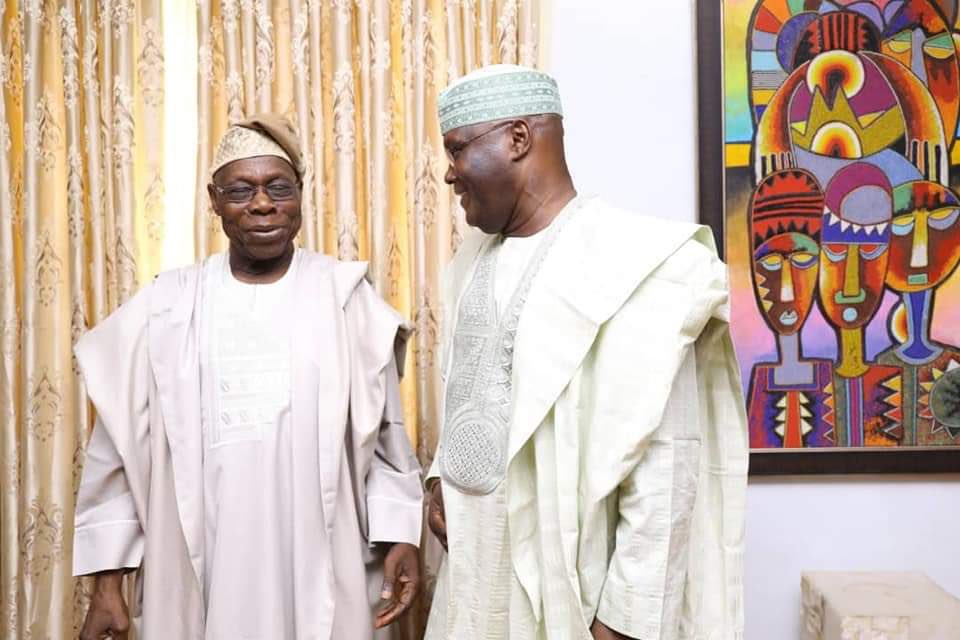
pixel 141 501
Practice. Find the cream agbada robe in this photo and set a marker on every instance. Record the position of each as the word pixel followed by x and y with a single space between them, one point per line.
pixel 141 495
pixel 627 450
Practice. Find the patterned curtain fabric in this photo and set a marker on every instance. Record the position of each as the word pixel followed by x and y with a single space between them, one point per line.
pixel 81 218
pixel 360 79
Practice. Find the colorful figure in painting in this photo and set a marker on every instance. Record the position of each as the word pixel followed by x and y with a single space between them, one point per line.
pixel 840 108
pixel 863 98
pixel 916 33
pixel 855 243
pixel 790 401
pixel 924 252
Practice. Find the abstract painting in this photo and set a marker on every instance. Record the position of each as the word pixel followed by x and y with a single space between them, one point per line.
pixel 842 221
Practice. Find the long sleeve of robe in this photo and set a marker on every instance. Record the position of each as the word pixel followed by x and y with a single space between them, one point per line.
pixel 140 502
pixel 687 474
pixel 111 502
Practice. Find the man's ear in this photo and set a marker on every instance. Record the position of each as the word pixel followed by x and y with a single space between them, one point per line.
pixel 212 192
pixel 521 139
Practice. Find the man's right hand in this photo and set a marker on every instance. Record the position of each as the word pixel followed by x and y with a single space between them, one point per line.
pixel 436 517
pixel 108 616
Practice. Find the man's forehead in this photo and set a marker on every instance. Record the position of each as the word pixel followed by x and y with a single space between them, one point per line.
pixel 470 131
pixel 465 132
pixel 256 167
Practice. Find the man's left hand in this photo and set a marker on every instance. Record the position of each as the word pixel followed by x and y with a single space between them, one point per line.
pixel 600 631
pixel 401 581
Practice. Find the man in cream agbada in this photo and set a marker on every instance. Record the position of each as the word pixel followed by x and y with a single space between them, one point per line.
pixel 591 473
pixel 249 459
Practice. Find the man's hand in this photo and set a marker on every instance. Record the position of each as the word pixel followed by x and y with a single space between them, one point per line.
pixel 600 631
pixel 436 517
pixel 108 616
pixel 401 581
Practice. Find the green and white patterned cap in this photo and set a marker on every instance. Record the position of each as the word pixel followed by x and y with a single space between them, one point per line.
pixel 497 92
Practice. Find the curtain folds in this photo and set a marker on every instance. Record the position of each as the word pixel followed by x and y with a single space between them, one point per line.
pixel 81 220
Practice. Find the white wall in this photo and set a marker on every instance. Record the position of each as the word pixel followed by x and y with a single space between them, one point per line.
pixel 894 523
pixel 611 58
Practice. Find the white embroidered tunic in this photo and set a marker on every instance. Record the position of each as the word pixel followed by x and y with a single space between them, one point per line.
pixel 480 597
pixel 249 516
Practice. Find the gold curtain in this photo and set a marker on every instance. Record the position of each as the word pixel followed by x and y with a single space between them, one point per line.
pixel 360 79
pixel 81 218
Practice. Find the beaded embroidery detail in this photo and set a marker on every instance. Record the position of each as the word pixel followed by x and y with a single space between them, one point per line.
pixel 473 446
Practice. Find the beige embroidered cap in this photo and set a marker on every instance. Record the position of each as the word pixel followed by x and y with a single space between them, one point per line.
pixel 265 134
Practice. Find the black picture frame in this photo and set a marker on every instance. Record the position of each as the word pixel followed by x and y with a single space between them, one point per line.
pixel 711 204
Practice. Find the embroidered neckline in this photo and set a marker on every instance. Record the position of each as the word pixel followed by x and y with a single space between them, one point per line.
pixel 478 402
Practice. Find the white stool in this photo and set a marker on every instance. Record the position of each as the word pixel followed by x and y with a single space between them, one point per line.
pixel 885 605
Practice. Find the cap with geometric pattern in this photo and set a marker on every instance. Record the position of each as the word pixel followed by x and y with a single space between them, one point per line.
pixel 497 92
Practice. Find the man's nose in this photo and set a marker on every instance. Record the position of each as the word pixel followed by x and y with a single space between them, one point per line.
pixel 449 177
pixel 261 202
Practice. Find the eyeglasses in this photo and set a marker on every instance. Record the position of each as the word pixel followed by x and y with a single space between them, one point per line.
pixel 278 191
pixel 453 152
